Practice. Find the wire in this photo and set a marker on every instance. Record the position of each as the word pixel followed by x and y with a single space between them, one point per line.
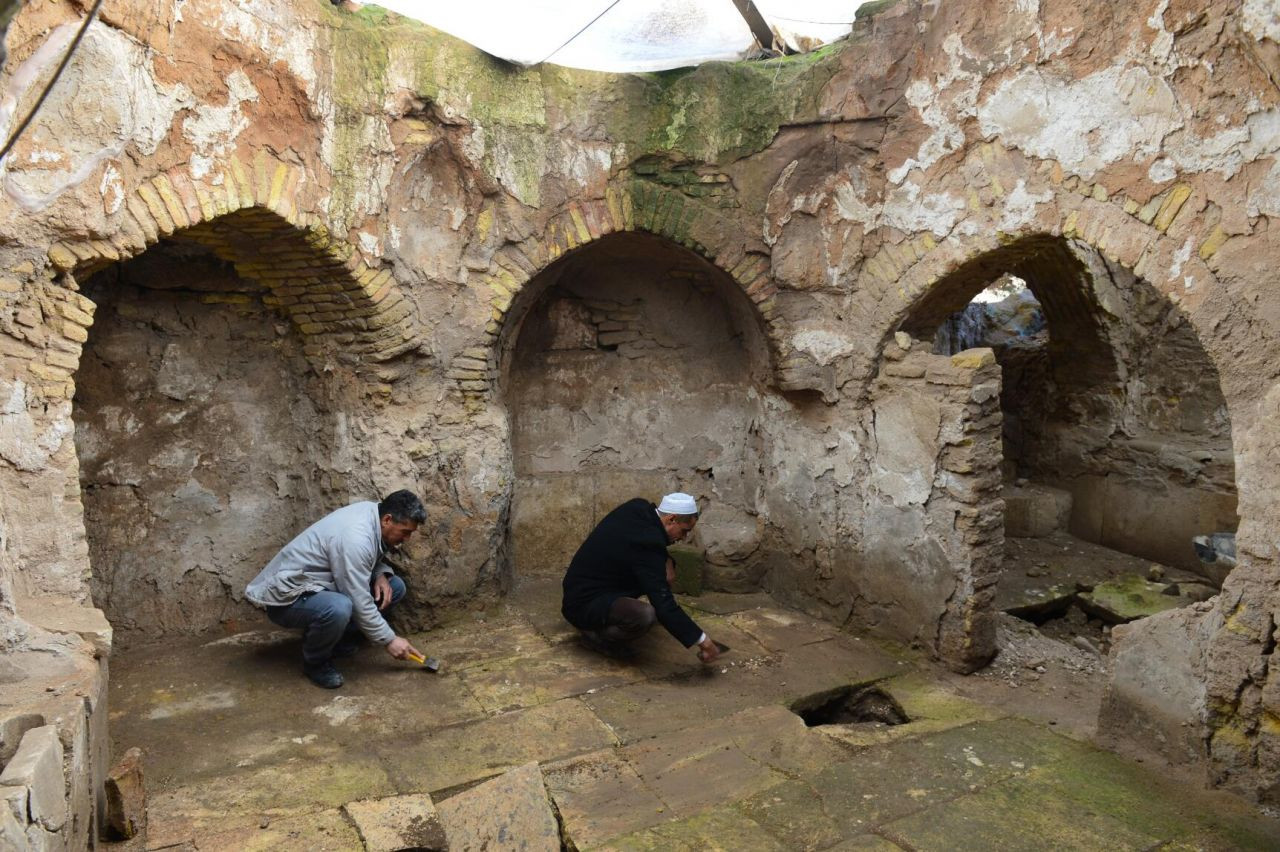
pixel 75 42
pixel 581 31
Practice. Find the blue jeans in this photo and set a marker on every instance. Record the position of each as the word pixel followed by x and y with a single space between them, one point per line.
pixel 325 619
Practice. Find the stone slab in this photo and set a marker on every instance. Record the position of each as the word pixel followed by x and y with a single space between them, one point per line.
pixel 480 644
pixel 693 769
pixel 510 812
pixel 12 726
pixel 398 822
pixel 1129 598
pixel 600 796
pixel 782 629
pixel 438 759
pixel 126 812
pixel 37 765
pixel 724 603
pixel 715 829
pixel 544 676
pixel 319 776
pixel 793 811
pixel 319 831
pixel 1011 816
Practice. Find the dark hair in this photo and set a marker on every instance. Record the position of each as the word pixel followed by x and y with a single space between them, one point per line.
pixel 403 506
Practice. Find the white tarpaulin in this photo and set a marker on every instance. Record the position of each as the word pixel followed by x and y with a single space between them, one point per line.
pixel 626 35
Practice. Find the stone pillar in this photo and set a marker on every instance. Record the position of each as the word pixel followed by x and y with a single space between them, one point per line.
pixel 934 534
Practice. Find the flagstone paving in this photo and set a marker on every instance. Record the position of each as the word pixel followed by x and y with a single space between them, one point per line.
pixel 241 752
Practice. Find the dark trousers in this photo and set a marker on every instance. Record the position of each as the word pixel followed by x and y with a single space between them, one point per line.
pixel 325 620
pixel 629 619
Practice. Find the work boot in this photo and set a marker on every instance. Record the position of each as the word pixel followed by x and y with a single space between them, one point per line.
pixel 593 641
pixel 323 674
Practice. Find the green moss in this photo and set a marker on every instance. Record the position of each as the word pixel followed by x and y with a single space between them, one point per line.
pixel 1128 598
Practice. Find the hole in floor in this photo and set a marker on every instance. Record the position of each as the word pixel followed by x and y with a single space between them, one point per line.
pixel 850 705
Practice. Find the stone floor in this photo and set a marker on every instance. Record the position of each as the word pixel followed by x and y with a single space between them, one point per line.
pixel 242 753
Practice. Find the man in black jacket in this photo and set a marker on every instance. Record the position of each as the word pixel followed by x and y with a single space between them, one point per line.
pixel 625 557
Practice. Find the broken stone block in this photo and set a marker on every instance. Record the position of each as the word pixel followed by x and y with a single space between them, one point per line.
pixel 510 812
pixel 62 615
pixel 37 765
pixel 11 730
pixel 398 823
pixel 1128 598
pixel 126 800
pixel 1035 511
pixel 689 565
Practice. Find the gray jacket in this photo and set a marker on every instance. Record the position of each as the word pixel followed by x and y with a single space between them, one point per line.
pixel 335 554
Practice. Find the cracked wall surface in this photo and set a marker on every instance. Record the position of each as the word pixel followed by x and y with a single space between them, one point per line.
pixel 835 190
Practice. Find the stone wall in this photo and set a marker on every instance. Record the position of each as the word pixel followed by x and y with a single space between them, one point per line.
pixel 397 192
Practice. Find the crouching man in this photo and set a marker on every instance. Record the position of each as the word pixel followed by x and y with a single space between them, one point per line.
pixel 625 557
pixel 331 582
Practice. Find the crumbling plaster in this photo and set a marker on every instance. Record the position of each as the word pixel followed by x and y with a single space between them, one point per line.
pixel 835 189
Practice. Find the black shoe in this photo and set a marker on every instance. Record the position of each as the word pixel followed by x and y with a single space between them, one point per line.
pixel 323 674
pixel 593 641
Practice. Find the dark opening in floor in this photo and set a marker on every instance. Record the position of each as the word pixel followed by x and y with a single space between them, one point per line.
pixel 850 705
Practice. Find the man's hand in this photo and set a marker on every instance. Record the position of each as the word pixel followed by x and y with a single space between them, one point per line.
pixel 708 651
pixel 382 591
pixel 400 648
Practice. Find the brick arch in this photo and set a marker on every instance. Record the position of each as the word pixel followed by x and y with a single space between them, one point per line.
pixel 247 216
pixel 634 206
pixel 1132 235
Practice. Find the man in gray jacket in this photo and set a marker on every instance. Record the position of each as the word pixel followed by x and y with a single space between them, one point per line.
pixel 324 582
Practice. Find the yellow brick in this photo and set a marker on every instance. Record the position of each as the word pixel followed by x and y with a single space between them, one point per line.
pixel 243 185
pixel 1100 192
pixel 973 359
pixel 62 257
pixel 580 224
pixel 49 373
pixel 484 223
pixel 172 203
pixel 615 209
pixel 10 285
pixel 226 299
pixel 276 189
pixel 1177 197
pixel 628 212
pixel 1130 206
pixel 1148 211
pixel 1069 224
pixel 1056 176
pixel 1213 242
pixel 207 208
pixel 71 331
pixel 155 206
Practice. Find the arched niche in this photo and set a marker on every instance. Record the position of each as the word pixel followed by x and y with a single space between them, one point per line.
pixel 204 436
pixel 631 367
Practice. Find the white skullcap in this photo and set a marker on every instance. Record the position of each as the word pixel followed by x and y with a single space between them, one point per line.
pixel 678 504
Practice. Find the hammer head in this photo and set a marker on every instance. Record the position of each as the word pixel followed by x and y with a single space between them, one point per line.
pixel 431 664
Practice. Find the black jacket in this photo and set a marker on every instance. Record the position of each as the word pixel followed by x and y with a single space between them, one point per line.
pixel 625 556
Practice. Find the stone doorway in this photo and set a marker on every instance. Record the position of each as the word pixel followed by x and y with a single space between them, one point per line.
pixel 1116 437
pixel 635 368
